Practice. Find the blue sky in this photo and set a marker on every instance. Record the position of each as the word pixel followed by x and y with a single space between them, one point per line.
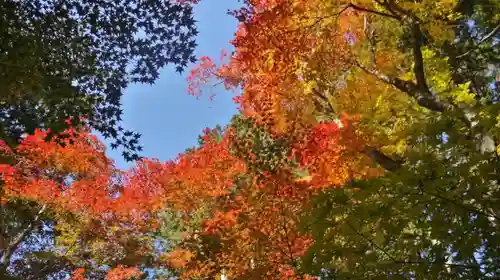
pixel 168 118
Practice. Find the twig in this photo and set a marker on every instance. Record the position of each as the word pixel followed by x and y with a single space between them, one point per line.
pixel 470 209
pixel 372 243
pixel 485 38
pixel 359 8
pixel 7 254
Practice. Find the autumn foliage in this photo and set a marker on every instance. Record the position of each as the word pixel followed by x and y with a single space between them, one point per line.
pixel 254 212
pixel 118 273
pixel 361 150
pixel 353 87
pixel 75 184
pixel 72 173
pixel 247 208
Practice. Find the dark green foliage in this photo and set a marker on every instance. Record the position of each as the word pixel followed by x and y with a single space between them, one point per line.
pixel 68 59
pixel 258 146
pixel 475 55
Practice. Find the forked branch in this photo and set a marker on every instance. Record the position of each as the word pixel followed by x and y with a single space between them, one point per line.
pixel 422 96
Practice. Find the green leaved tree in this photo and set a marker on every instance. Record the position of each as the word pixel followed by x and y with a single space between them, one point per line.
pixel 63 60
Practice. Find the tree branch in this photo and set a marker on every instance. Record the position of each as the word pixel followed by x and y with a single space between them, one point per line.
pixel 371 242
pixel 357 8
pixel 418 68
pixel 325 99
pixel 285 228
pixel 423 96
pixel 485 38
pixel 438 263
pixel 14 244
pixel 363 9
pixel 405 262
pixel 458 204
pixel 420 90
pixel 386 162
pixel 387 7
pixel 369 33
pixel 392 7
pixel 418 38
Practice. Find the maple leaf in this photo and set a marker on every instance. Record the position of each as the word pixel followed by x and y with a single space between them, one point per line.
pixel 390 65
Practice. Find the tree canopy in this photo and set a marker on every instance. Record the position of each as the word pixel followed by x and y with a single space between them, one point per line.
pixel 366 147
pixel 70 59
pixel 419 82
pixel 64 66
